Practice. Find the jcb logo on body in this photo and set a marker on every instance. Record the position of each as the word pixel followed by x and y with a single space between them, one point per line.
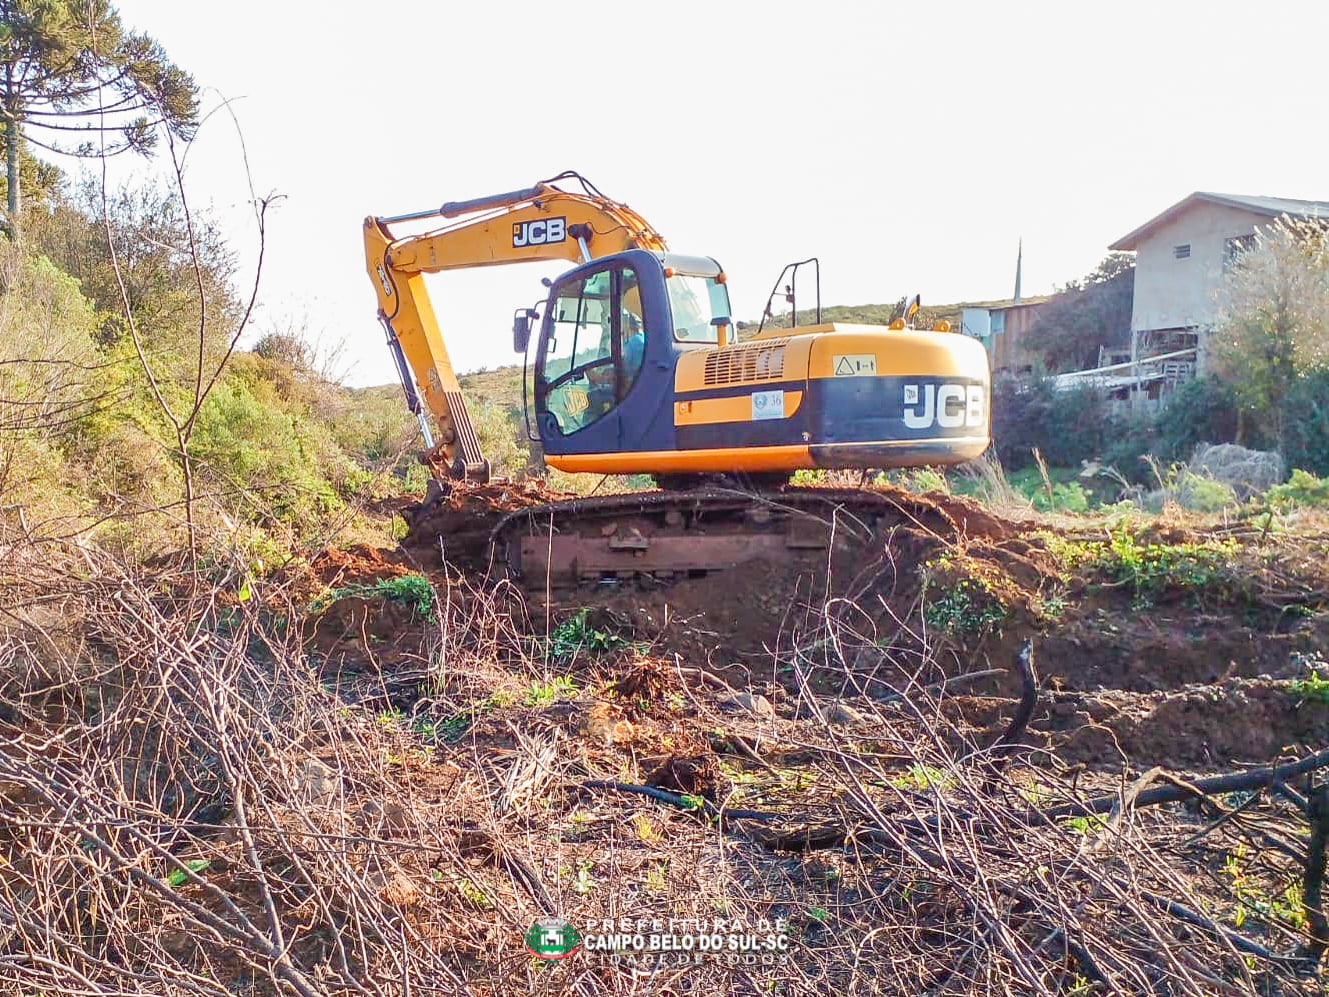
pixel 539 233
pixel 949 406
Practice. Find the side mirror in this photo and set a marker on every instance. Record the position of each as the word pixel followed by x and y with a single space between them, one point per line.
pixel 521 329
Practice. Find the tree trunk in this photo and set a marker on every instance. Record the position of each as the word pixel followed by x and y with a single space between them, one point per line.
pixel 12 141
pixel 13 149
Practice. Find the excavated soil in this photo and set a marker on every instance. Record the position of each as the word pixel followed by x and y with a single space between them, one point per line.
pixel 1196 679
pixel 454 525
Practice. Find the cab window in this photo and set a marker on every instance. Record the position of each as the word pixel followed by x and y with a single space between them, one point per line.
pixel 632 329
pixel 695 303
pixel 595 348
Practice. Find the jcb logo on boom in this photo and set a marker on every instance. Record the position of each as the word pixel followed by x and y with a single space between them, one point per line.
pixel 949 406
pixel 539 233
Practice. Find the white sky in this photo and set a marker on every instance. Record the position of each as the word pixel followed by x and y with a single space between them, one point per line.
pixel 908 145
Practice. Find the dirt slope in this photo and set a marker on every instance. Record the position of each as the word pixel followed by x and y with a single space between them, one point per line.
pixel 1192 669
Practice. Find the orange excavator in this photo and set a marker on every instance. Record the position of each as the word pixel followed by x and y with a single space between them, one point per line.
pixel 635 366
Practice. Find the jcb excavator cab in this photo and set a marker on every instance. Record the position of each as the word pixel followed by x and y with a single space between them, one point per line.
pixel 609 338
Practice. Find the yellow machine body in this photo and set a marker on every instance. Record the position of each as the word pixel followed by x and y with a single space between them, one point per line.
pixel 636 366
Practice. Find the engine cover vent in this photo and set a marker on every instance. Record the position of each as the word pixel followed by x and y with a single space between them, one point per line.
pixel 761 361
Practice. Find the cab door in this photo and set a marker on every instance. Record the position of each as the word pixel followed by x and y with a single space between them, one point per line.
pixel 590 357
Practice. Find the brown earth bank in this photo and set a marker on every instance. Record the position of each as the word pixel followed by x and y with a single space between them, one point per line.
pixel 1195 674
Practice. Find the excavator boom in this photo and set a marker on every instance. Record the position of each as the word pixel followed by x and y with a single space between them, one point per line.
pixel 543 222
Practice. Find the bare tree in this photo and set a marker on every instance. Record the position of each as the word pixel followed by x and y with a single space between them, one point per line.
pixel 207 370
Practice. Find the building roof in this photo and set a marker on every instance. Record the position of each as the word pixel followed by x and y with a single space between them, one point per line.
pixel 1270 207
pixel 1005 303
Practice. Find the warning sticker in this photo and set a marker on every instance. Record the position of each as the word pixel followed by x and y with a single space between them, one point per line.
pixel 768 405
pixel 854 364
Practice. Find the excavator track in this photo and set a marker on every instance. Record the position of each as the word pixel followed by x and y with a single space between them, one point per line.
pixel 654 538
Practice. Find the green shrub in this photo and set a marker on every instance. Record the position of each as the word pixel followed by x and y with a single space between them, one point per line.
pixel 1150 568
pixel 1065 426
pixel 262 450
pixel 1067 496
pixel 925 479
pixel 1200 411
pixel 1205 411
pixel 577 634
pixel 1305 434
pixel 414 590
pixel 1301 489
pixel 965 608
pixel 1131 438
pixel 1071 426
pixel 1201 494
pixel 1312 687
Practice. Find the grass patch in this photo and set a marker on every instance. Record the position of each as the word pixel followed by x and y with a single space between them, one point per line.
pixel 546 693
pixel 922 777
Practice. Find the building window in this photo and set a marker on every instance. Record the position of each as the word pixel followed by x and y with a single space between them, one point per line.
pixel 998 323
pixel 1182 252
pixel 1236 247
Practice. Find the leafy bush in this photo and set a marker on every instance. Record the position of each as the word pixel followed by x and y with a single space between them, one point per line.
pixel 1305 442
pixel 414 590
pixel 1150 568
pixel 1067 496
pixel 1068 427
pixel 577 634
pixel 278 447
pixel 1200 411
pixel 1200 494
pixel 1302 488
pixel 965 608
pixel 1132 437
pixel 285 347
pixel 247 445
pixel 1312 687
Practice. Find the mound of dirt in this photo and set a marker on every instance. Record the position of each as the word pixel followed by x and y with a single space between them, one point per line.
pixel 1205 726
pixel 356 564
pixel 934 587
pixel 455 520
pixel 1169 647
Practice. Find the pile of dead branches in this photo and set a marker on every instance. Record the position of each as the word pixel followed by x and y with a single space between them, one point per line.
pixel 188 810
pixel 190 807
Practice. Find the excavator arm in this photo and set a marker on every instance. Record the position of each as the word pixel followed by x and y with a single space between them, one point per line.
pixel 543 222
